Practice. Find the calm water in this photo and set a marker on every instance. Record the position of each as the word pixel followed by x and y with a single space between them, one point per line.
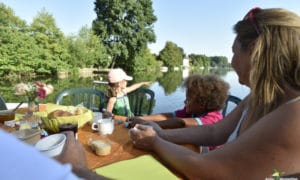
pixel 169 95
pixel 170 102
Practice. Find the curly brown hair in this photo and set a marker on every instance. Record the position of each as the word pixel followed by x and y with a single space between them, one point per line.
pixel 211 90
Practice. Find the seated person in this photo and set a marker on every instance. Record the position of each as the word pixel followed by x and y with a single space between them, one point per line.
pixel 262 132
pixel 205 97
pixel 22 161
pixel 118 103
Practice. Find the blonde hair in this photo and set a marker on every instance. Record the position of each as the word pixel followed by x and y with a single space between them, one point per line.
pixel 112 89
pixel 275 59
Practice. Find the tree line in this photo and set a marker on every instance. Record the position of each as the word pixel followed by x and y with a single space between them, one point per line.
pixel 118 37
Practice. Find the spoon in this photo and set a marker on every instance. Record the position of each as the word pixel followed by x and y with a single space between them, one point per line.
pixel 14 110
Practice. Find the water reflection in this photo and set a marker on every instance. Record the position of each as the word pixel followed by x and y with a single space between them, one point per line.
pixel 167 86
pixel 170 81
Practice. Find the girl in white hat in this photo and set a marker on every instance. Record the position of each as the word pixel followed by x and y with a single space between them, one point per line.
pixel 118 102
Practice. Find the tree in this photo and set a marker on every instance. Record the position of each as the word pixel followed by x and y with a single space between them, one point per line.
pixel 125 28
pixel 220 61
pixel 86 50
pixel 145 61
pixel 17 48
pixel 171 55
pixel 200 60
pixel 53 54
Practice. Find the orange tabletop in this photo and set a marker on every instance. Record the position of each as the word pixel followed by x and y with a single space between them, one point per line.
pixel 121 146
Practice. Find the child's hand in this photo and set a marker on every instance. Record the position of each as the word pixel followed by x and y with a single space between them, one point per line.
pixel 148 83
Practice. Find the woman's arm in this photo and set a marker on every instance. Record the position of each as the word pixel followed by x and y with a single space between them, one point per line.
pixel 183 160
pixel 177 123
pixel 136 86
pixel 270 143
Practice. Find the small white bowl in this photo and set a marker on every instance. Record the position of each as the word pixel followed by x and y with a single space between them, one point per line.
pixel 51 145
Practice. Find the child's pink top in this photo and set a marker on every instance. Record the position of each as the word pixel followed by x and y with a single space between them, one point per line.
pixel 204 119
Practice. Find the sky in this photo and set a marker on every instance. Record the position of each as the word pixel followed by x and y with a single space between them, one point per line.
pixel 197 26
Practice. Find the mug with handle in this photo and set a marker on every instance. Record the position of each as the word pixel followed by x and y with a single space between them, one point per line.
pixel 104 126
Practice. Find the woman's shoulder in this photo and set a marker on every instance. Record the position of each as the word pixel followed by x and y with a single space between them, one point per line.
pixel 282 124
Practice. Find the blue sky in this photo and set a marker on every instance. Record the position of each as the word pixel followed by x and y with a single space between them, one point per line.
pixel 197 26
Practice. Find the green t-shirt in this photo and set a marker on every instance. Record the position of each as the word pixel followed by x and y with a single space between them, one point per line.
pixel 122 107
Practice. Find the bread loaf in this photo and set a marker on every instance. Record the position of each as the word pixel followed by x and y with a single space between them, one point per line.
pixel 100 147
pixel 59 113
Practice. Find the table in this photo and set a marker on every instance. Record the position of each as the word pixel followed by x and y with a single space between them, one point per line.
pixel 121 146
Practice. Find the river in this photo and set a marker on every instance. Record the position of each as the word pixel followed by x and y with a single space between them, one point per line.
pixel 169 95
pixel 170 102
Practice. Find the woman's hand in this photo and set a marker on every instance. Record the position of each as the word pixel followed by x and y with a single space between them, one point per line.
pixel 136 120
pixel 143 137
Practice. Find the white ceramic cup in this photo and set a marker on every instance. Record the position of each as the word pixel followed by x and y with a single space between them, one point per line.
pixel 104 126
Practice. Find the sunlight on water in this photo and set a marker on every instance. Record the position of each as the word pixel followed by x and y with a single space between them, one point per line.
pixel 175 100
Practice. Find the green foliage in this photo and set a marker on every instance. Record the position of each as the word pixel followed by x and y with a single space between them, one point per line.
pixel 125 28
pixel 8 18
pixel 220 61
pixel 51 41
pixel 171 55
pixel 199 60
pixel 145 62
pixel 18 50
pixel 205 61
pixel 119 37
pixel 86 50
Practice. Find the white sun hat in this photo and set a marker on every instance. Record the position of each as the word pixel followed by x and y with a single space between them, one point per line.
pixel 117 75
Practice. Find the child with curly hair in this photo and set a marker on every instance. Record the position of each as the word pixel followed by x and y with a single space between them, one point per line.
pixel 118 103
pixel 205 97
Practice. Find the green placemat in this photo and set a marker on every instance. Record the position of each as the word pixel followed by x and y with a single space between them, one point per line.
pixel 143 167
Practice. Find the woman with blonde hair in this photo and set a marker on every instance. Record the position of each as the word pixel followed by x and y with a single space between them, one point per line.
pixel 262 132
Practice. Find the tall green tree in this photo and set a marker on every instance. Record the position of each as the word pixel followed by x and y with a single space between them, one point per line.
pixel 86 50
pixel 145 61
pixel 18 51
pixel 125 28
pixel 171 55
pixel 200 60
pixel 53 54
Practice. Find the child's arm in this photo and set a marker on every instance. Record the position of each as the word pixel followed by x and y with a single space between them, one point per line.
pixel 136 86
pixel 177 123
pixel 110 104
pixel 157 117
